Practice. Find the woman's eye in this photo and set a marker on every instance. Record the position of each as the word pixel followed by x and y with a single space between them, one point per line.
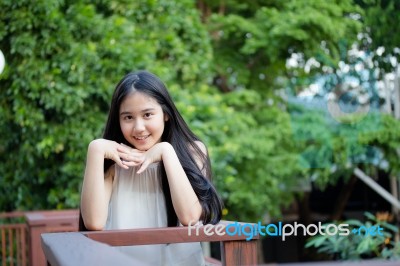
pixel 147 115
pixel 128 117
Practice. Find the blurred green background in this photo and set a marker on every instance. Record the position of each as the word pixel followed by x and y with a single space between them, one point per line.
pixel 237 71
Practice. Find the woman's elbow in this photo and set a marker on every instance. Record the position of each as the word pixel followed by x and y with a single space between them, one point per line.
pixel 93 223
pixel 190 218
pixel 93 226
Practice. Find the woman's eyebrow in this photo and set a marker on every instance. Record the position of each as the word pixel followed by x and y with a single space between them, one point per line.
pixel 142 111
pixel 125 113
pixel 147 110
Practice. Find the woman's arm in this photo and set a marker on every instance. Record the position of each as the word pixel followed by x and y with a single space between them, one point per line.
pixel 97 185
pixel 184 199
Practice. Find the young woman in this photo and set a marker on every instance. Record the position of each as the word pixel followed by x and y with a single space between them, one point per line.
pixel 149 170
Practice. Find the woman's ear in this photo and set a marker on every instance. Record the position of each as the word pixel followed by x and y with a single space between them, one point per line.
pixel 166 117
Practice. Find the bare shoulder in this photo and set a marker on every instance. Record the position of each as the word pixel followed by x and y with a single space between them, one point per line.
pixel 200 159
pixel 201 146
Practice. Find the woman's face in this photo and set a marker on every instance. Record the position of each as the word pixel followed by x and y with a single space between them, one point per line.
pixel 142 120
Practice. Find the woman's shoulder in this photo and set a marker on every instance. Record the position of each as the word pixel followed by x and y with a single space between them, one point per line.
pixel 201 146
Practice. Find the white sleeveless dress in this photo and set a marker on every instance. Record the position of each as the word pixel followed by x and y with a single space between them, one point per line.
pixel 137 201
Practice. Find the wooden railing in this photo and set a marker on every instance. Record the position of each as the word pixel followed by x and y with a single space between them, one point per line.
pixel 20 234
pixel 95 248
pixel 13 239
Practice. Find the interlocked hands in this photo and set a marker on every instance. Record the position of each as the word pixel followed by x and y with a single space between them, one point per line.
pixel 126 156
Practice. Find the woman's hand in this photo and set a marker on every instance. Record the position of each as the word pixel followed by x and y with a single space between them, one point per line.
pixel 134 157
pixel 109 149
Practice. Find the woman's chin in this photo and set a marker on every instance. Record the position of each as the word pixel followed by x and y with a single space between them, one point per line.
pixel 143 147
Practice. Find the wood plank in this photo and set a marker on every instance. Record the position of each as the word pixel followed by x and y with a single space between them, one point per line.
pixel 59 247
pixel 239 252
pixel 53 218
pixel 182 234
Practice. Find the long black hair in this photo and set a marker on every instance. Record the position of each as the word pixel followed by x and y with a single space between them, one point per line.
pixel 178 134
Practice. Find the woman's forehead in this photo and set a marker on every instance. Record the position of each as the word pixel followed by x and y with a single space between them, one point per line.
pixel 138 102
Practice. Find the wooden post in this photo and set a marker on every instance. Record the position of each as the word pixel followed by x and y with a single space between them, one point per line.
pixel 43 222
pixel 238 253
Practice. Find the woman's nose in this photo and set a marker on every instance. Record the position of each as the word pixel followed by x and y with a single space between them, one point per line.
pixel 139 125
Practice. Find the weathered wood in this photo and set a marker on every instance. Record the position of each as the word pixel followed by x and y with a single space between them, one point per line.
pixel 145 236
pixel 74 249
pixel 61 247
pixel 239 252
pixel 65 249
pixel 45 222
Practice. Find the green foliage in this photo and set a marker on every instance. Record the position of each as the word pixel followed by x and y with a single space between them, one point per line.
pixel 359 245
pixel 331 149
pixel 335 142
pixel 254 41
pixel 387 138
pixel 61 70
pixel 224 68
pixel 381 20
pixel 254 160
pixel 262 150
pixel 63 61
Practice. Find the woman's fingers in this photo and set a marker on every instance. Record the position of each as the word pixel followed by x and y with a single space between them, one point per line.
pixel 129 155
pixel 131 159
pixel 114 156
pixel 129 150
pixel 119 161
pixel 144 166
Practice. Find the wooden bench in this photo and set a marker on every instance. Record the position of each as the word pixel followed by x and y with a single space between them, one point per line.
pixel 95 247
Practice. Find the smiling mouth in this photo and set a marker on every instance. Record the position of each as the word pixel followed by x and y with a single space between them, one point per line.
pixel 141 137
